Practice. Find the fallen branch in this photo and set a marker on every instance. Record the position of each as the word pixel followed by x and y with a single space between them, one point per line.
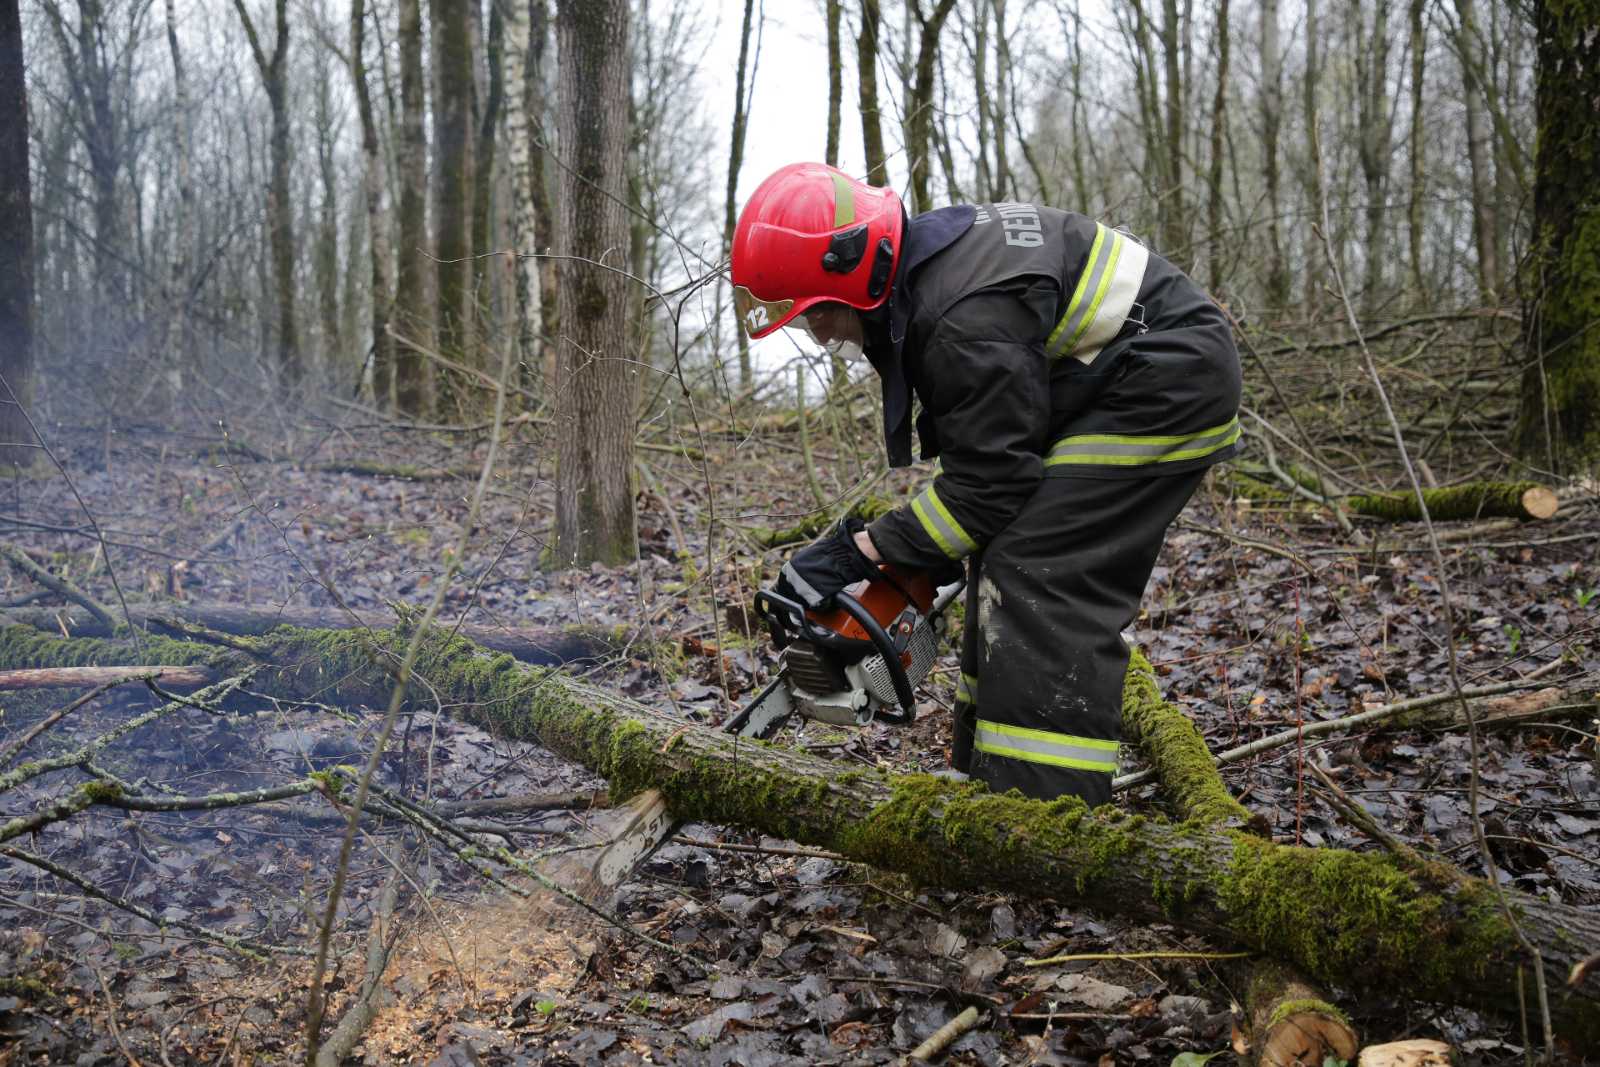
pixel 1341 917
pixel 84 677
pixel 1416 712
pixel 546 646
pixel 945 1036
pixel 60 586
pixel 1474 500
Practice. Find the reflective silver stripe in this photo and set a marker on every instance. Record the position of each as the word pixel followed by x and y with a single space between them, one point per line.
pixel 801 586
pixel 942 526
pixel 1105 294
pixel 1130 450
pixel 1042 746
pixel 967 688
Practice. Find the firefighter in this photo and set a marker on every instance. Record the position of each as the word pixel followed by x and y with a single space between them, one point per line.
pixel 1073 386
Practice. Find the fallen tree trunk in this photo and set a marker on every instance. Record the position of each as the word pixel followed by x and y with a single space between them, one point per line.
pixel 89 677
pixel 1358 919
pixel 1474 500
pixel 542 646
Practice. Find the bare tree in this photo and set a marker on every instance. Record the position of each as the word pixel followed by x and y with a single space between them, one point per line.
pixel 730 215
pixel 1271 110
pixel 377 225
pixel 16 244
pixel 1485 221
pixel 413 383
pixel 867 72
pixel 594 406
pixel 453 159
pixel 1415 147
pixel 919 107
pixel 184 239
pixel 1560 417
pixel 1219 124
pixel 1374 137
pixel 835 82
pixel 280 209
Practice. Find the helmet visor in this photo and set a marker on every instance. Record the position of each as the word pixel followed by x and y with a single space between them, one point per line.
pixel 758 317
pixel 835 328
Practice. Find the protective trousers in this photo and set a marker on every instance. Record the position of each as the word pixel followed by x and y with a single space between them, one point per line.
pixel 1039 702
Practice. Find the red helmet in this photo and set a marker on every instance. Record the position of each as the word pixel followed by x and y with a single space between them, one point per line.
pixel 810 234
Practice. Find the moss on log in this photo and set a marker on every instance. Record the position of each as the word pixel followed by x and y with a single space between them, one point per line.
pixel 807 529
pixel 1473 500
pixel 1358 919
pixel 1178 754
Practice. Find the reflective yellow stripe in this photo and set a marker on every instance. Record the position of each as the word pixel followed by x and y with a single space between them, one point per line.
pixel 942 526
pixel 1043 746
pixel 844 201
pixel 1129 450
pixel 967 688
pixel 1105 295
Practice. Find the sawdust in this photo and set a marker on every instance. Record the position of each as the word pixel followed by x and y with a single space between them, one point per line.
pixel 478 960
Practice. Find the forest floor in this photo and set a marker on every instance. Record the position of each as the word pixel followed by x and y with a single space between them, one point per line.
pixel 1257 618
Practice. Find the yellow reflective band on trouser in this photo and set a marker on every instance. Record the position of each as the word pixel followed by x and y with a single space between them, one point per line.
pixel 1106 292
pixel 941 525
pixel 967 688
pixel 1128 450
pixel 1042 746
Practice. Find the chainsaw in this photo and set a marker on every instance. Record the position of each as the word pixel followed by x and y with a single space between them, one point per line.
pixel 854 663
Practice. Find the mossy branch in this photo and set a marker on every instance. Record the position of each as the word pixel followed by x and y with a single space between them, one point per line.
pixel 1337 916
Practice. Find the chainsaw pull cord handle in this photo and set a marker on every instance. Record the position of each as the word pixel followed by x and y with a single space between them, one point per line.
pixel 891 659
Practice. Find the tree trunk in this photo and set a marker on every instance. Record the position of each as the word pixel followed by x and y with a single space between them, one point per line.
pixel 413 376
pixel 487 273
pixel 1291 1023
pixel 16 247
pixel 377 223
pixel 453 158
pixel 1416 151
pixel 525 232
pixel 919 108
pixel 280 207
pixel 1316 194
pixel 1175 232
pixel 1484 209
pixel 594 407
pixel 867 74
pixel 1374 142
pixel 183 240
pixel 1215 239
pixel 730 208
pixel 1559 422
pixel 325 254
pixel 835 82
pixel 1355 919
pixel 1271 121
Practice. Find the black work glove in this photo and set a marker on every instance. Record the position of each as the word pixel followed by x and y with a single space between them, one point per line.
pixel 817 572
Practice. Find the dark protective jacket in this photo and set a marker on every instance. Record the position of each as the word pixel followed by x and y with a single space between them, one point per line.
pixel 1040 344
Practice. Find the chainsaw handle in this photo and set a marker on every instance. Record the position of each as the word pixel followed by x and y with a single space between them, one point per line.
pixel 891 660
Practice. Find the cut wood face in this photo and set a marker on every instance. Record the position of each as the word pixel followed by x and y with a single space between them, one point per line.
pixel 1415 1053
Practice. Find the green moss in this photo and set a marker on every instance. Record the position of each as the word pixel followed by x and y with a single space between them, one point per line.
pixel 1305 1006
pixel 24 646
pixel 101 792
pixel 1176 749
pixel 1340 914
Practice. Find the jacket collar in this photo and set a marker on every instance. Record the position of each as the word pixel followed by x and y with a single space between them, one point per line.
pixel 926 236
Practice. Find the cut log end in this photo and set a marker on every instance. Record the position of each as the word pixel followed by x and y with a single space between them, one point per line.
pixel 1539 502
pixel 1306 1035
pixel 1416 1053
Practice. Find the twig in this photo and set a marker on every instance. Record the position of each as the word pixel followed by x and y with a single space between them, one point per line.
pixel 111 1019
pixel 1358 817
pixel 762 850
pixel 9 753
pixel 242 945
pixel 60 586
pixel 102 678
pixel 372 995
pixel 1079 956
pixel 942 1038
pixel 1447 611
pixel 1331 726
